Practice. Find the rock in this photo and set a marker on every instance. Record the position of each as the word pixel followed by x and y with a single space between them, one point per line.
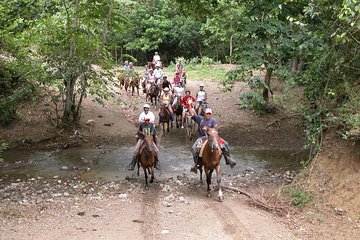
pixel 167 188
pixel 123 196
pixel 169 198
pixel 66 194
pixel 90 122
pixel 165 231
pixel 55 177
pixel 64 168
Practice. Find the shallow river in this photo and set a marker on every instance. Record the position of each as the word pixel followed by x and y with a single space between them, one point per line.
pixel 109 162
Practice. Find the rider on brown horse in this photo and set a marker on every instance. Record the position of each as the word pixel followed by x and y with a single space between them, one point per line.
pixel 146 128
pixel 205 123
pixel 166 99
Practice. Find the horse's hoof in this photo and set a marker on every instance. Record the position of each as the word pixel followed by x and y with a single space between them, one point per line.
pixel 208 195
pixel 221 198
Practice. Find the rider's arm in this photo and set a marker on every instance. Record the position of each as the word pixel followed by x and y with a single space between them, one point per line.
pixel 205 96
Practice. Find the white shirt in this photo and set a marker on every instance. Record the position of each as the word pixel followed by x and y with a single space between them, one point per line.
pixel 156 58
pixel 151 78
pixel 158 73
pixel 179 91
pixel 149 115
pixel 200 96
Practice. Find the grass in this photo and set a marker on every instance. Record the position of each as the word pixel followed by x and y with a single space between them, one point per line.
pixel 299 197
pixel 200 72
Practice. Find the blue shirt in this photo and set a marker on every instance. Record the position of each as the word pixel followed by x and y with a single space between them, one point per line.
pixel 202 123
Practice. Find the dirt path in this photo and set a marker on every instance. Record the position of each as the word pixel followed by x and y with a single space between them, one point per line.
pixel 153 214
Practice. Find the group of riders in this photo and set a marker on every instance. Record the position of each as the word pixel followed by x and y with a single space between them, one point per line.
pixel 171 94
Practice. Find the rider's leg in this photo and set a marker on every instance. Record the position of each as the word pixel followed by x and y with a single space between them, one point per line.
pixel 226 152
pixel 135 156
pixel 157 162
pixel 195 152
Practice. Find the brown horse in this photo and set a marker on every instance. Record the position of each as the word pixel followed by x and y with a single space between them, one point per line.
pixel 210 159
pixel 147 159
pixel 165 118
pixel 178 109
pixel 152 93
pixel 134 83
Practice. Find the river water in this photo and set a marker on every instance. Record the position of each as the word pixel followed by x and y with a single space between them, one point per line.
pixel 108 163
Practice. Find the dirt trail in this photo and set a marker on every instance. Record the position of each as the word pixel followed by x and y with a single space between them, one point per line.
pixel 146 215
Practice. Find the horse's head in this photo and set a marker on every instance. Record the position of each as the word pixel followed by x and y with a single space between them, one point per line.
pixel 148 143
pixel 213 138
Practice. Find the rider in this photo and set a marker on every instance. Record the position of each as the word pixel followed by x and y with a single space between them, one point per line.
pixel 176 78
pixel 151 79
pixel 166 84
pixel 204 123
pixel 187 103
pixel 131 66
pixel 158 73
pixel 146 114
pixel 178 92
pixel 165 99
pixel 126 65
pixel 145 128
pixel 179 68
pixel 156 58
pixel 201 97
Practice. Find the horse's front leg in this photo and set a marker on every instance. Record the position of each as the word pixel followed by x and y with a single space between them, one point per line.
pixel 218 180
pixel 152 174
pixel 146 178
pixel 201 172
pixel 208 181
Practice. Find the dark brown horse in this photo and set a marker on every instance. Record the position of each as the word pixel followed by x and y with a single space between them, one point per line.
pixel 147 159
pixel 178 109
pixel 210 159
pixel 152 93
pixel 165 118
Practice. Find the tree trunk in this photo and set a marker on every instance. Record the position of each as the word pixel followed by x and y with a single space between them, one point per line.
pixel 231 49
pixel 268 74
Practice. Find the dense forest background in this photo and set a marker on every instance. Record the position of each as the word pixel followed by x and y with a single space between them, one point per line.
pixel 53 46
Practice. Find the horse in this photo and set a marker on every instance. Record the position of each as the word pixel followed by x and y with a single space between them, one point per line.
pixel 165 117
pixel 210 160
pixel 121 77
pixel 134 83
pixel 201 110
pixel 178 109
pixel 143 84
pixel 189 126
pixel 150 65
pixel 153 93
pixel 147 159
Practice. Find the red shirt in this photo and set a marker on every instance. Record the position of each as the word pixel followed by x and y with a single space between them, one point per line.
pixel 186 101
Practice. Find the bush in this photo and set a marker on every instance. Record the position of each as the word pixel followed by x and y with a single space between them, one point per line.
pixel 3 146
pixel 299 197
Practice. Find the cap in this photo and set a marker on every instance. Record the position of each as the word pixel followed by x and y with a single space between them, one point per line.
pixel 151 69
pixel 208 110
pixel 166 89
pixel 201 84
pixel 146 105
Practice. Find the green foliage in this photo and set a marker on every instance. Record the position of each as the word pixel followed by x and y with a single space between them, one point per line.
pixel 299 197
pixel 3 147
